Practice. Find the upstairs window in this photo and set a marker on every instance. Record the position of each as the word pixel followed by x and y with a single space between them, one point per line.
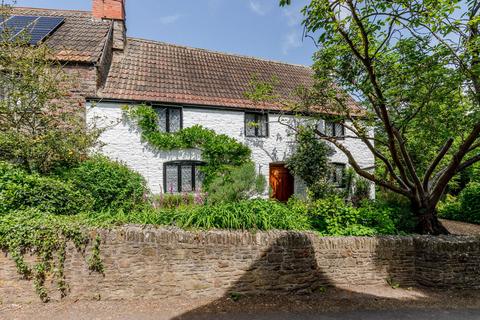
pixel 169 118
pixel 182 176
pixel 256 124
pixel 338 174
pixel 334 129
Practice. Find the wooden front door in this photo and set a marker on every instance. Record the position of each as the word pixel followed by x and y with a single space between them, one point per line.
pixel 281 182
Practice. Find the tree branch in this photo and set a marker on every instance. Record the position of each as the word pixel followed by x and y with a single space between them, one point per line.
pixel 435 162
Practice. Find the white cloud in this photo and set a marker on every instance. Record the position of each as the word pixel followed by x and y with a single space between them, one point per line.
pixel 170 19
pixel 294 16
pixel 291 41
pixel 258 7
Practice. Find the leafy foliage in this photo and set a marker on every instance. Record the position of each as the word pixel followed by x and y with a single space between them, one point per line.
pixel 418 88
pixel 357 189
pixel 112 184
pixel 219 151
pixel 310 162
pixel 40 124
pixel 45 235
pixel 240 183
pixel 332 216
pixel 464 208
pixel 245 214
pixel 20 190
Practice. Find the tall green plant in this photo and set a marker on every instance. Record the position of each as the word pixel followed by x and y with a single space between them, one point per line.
pixel 310 162
pixel 239 183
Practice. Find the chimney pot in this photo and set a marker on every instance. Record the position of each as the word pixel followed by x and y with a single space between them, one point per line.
pixel 109 9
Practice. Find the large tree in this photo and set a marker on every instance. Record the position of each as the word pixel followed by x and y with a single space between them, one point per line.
pixel 41 124
pixel 414 66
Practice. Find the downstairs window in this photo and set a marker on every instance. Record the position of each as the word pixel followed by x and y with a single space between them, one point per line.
pixel 338 174
pixel 182 176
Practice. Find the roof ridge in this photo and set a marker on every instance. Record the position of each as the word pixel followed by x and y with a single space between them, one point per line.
pixel 220 52
pixel 51 9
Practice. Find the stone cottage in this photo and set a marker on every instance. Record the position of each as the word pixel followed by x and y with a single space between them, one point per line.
pixel 187 86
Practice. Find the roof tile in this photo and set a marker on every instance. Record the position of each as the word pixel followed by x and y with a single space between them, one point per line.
pixel 80 38
pixel 160 72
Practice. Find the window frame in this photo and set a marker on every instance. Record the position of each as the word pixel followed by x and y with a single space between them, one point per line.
pixel 257 131
pixel 334 129
pixel 179 163
pixel 167 115
pixel 335 165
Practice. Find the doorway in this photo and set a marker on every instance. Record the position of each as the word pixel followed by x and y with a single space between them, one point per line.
pixel 281 182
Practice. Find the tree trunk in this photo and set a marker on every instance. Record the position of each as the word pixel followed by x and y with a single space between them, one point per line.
pixel 427 221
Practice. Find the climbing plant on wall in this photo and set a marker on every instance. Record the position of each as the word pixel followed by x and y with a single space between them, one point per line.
pixel 219 151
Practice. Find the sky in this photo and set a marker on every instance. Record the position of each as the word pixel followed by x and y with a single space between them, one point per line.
pixel 258 28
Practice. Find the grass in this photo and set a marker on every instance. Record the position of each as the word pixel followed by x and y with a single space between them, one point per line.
pixel 244 215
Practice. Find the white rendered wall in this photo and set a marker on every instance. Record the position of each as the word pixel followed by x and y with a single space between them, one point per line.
pixel 122 141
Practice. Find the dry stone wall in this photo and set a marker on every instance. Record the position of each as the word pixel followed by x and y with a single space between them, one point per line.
pixel 156 263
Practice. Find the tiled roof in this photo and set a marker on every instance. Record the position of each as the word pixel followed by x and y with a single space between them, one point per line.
pixel 79 39
pixel 156 71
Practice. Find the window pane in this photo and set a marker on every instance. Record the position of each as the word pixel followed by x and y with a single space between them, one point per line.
pixel 321 126
pixel 172 178
pixel 199 176
pixel 250 124
pixel 328 129
pixel 187 178
pixel 175 119
pixel 339 174
pixel 162 119
pixel 263 126
pixel 339 130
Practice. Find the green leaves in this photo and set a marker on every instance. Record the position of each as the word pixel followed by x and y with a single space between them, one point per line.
pixel 40 124
pixel 239 183
pixel 20 190
pixel 44 235
pixel 310 161
pixel 111 184
pixel 219 151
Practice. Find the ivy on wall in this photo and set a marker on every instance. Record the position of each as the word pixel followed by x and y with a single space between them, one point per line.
pixel 45 236
pixel 219 151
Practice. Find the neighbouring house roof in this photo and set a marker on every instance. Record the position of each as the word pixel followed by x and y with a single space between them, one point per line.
pixel 79 39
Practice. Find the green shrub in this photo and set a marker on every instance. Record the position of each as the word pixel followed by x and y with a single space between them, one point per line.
pixel 112 184
pixel 20 190
pixel 240 183
pixel 470 202
pixel 399 208
pixel 332 216
pixel 377 217
pixel 450 208
pixel 311 163
pixel 466 207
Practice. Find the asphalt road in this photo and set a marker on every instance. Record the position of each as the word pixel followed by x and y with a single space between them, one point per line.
pixel 357 315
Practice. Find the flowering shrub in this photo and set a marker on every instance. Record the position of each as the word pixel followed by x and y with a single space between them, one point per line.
pixel 172 200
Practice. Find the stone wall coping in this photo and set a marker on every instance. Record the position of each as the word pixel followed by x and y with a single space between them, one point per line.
pixel 149 233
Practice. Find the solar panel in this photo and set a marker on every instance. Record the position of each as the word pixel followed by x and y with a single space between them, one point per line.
pixel 34 28
pixel 43 27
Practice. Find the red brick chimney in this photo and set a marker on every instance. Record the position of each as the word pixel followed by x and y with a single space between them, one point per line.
pixel 113 10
